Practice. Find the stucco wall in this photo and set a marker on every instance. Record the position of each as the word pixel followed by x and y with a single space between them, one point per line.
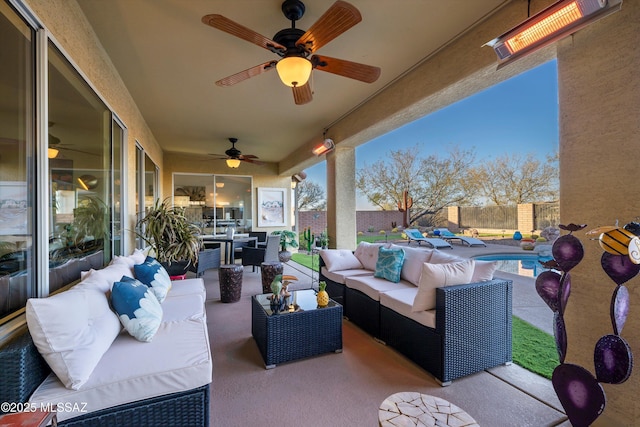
pixel 599 94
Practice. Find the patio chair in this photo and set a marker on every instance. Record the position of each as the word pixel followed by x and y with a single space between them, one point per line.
pixel 448 236
pixel 262 238
pixel 256 256
pixel 413 234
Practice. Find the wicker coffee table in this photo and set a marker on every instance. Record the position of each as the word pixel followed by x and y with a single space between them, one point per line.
pixel 302 330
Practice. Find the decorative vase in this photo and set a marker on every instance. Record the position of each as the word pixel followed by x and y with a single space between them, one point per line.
pixel 517 236
pixel 284 256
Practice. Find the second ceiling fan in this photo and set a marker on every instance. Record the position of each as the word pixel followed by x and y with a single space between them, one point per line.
pixel 297 48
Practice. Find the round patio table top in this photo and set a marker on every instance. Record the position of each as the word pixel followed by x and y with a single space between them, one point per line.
pixel 416 409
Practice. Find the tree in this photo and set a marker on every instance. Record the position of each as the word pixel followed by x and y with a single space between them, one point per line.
pixel 432 182
pixel 310 196
pixel 513 179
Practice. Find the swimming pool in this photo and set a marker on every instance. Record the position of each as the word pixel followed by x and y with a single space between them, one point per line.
pixel 518 263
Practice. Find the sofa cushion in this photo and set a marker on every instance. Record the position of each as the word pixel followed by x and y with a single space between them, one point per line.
pixel 103 278
pixel 341 275
pixel 72 330
pixel 178 359
pixel 340 259
pixel 153 274
pixel 389 264
pixel 136 257
pixel 367 254
pixel 193 286
pixel 401 301
pixel 437 276
pixel 373 286
pixel 483 271
pixel 440 257
pixel 413 260
pixel 137 307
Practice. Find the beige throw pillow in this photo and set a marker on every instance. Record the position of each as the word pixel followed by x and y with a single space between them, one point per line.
pixel 437 276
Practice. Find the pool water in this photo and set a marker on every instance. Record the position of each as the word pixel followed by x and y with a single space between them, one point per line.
pixel 522 264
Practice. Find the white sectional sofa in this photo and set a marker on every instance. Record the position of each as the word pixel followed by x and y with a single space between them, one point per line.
pixel 95 379
pixel 447 314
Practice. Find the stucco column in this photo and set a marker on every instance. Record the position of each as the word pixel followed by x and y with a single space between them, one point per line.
pixel 341 198
pixel 599 94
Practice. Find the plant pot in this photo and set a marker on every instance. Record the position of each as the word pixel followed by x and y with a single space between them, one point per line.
pixel 284 256
pixel 527 244
pixel 176 268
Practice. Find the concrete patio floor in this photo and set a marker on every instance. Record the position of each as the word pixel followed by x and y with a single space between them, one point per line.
pixel 535 393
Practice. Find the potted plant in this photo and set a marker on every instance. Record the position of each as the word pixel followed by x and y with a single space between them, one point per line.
pixel 288 239
pixel 175 241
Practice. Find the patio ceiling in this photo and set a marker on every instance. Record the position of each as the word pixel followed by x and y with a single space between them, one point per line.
pixel 169 61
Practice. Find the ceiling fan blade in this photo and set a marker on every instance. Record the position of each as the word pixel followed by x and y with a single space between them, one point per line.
pixel 246 74
pixel 336 20
pixel 302 94
pixel 235 29
pixel 353 70
pixel 255 162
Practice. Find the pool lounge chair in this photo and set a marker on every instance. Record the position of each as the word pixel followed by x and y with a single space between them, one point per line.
pixel 413 234
pixel 448 236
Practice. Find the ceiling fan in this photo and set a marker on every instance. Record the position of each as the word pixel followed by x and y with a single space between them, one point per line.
pixel 55 146
pixel 233 156
pixel 297 47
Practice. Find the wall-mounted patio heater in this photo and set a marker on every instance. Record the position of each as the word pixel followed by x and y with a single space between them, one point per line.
pixel 551 24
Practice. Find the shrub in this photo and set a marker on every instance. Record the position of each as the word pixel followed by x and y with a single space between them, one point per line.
pixel 371 229
pixel 382 232
pixel 360 233
pixel 394 230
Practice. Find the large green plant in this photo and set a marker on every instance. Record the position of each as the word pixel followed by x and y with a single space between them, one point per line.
pixel 169 234
pixel 90 219
pixel 288 239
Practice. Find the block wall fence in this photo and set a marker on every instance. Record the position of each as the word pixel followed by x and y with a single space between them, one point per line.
pixel 384 220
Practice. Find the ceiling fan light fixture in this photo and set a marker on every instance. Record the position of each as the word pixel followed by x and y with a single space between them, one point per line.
pixel 561 19
pixel 52 153
pixel 233 163
pixel 88 182
pixel 294 70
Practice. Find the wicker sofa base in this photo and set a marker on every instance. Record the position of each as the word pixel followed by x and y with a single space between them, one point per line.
pixel 23 369
pixel 188 408
pixel 363 311
pixel 473 330
pixel 335 290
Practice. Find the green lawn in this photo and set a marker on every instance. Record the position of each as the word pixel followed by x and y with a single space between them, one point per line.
pixel 533 349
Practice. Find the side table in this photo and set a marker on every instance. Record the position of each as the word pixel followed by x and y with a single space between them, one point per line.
pixel 269 270
pixel 230 277
pixel 29 419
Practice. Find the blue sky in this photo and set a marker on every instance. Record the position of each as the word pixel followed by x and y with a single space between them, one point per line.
pixel 519 115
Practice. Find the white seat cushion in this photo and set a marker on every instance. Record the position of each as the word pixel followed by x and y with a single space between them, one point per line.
pixel 187 287
pixel 401 301
pixel 341 276
pixel 183 307
pixel 373 286
pixel 178 359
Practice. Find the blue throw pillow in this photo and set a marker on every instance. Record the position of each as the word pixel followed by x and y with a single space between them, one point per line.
pixel 389 264
pixel 137 307
pixel 153 274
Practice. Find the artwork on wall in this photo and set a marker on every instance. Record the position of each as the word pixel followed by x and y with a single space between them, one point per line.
pixel 13 207
pixel 272 205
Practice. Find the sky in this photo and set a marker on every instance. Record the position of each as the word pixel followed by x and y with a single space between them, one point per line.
pixel 519 115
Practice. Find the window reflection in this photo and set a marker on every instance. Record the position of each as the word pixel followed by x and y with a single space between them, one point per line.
pixel 79 166
pixel 16 162
pixel 215 202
